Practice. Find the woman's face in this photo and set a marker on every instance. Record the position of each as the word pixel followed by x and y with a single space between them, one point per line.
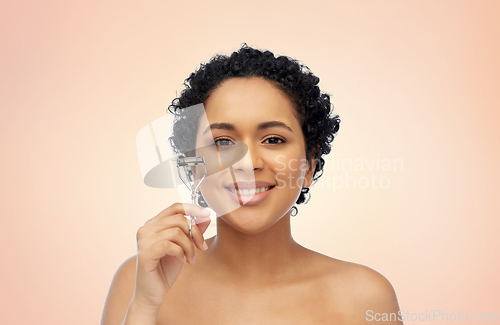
pixel 270 176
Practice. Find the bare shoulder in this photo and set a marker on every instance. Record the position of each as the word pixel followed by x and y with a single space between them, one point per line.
pixel 358 291
pixel 120 293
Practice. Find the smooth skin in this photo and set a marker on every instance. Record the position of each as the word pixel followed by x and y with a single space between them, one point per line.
pixel 253 271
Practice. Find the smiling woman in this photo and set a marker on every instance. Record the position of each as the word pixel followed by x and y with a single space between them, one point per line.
pixel 252 271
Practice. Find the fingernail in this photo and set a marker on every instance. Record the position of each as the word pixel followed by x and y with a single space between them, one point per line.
pixel 202 219
pixel 184 258
pixel 205 211
pixel 194 259
pixel 205 246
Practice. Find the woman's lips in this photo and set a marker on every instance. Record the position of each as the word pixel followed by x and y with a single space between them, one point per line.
pixel 250 199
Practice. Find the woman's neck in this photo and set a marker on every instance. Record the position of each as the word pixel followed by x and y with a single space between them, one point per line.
pixel 255 260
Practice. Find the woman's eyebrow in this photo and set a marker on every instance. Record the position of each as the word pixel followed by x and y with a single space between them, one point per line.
pixel 261 126
pixel 271 124
pixel 220 126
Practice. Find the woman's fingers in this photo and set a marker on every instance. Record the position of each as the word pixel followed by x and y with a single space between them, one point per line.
pixel 176 230
pixel 203 224
pixel 175 235
pixel 179 221
pixel 168 234
pixel 180 208
pixel 197 234
pixel 159 250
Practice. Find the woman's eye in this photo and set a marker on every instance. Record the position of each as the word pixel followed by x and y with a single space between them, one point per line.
pixel 223 142
pixel 274 140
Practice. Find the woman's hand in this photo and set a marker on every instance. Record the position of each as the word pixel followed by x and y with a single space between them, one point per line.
pixel 163 245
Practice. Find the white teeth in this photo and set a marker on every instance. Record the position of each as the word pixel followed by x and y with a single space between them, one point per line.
pixel 251 191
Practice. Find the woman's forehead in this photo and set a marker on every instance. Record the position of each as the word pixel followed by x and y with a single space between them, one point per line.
pixel 249 101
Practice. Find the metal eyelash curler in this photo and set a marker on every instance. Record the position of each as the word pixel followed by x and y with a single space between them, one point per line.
pixel 188 169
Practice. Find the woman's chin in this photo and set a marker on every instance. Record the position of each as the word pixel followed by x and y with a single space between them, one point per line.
pixel 247 223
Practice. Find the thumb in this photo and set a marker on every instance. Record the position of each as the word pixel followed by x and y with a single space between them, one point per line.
pixel 203 223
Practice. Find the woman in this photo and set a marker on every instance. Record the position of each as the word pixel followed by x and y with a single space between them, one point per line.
pixel 252 271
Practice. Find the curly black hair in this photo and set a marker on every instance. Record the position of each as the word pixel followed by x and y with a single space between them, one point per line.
pixel 313 107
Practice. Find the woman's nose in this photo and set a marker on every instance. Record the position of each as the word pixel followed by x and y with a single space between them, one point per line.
pixel 250 162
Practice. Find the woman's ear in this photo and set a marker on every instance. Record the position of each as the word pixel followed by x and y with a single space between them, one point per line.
pixel 308 177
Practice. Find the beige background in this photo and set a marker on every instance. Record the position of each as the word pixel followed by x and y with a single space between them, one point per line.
pixel 413 81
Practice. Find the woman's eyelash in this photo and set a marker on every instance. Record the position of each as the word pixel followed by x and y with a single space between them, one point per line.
pixel 276 138
pixel 216 141
pixel 219 140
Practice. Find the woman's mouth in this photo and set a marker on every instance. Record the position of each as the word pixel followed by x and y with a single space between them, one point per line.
pixel 251 191
pixel 250 196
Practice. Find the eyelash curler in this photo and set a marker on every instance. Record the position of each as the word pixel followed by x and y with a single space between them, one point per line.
pixel 189 173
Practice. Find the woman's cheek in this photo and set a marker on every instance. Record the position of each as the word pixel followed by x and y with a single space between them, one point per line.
pixel 289 165
pixel 216 196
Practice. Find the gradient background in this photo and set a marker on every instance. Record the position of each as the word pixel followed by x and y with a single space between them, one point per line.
pixel 411 80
